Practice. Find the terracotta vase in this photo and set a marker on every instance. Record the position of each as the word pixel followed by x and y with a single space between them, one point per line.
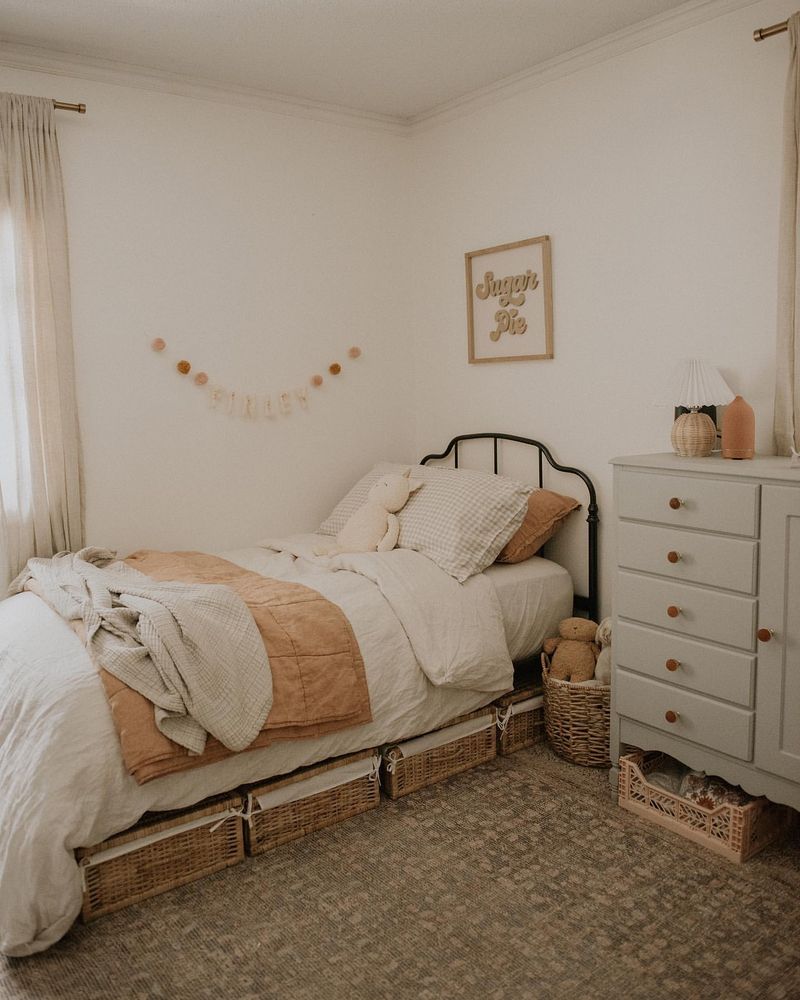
pixel 738 430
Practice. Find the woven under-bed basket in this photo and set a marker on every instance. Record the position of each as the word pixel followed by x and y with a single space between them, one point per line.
pixel 188 844
pixel 733 831
pixel 577 719
pixel 520 720
pixel 312 809
pixel 404 771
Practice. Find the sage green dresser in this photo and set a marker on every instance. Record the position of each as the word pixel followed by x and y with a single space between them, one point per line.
pixel 706 636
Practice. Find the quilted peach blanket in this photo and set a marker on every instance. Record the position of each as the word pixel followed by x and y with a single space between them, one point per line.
pixel 318 680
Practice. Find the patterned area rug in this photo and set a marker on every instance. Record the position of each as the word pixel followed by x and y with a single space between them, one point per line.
pixel 520 879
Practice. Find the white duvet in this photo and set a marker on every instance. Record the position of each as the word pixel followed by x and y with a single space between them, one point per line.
pixel 432 650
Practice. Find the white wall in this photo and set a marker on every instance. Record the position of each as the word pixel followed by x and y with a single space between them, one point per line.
pixel 656 174
pixel 260 247
pixel 259 243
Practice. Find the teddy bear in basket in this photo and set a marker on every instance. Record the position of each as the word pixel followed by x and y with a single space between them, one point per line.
pixel 573 651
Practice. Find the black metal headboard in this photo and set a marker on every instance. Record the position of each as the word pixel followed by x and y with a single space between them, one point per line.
pixel 589 604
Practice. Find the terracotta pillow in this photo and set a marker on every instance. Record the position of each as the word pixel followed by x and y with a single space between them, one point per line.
pixel 546 513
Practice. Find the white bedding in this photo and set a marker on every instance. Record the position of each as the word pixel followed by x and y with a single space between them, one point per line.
pixel 63 781
pixel 534 596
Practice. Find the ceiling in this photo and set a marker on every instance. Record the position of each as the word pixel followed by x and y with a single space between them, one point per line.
pixel 399 58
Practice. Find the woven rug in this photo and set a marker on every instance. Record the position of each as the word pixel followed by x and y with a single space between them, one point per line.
pixel 519 879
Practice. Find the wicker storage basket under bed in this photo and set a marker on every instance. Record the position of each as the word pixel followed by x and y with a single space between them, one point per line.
pixel 162 851
pixel 577 719
pixel 310 799
pixel 735 832
pixel 463 743
pixel 520 719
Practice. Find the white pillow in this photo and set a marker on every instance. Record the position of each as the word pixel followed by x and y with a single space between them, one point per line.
pixel 460 518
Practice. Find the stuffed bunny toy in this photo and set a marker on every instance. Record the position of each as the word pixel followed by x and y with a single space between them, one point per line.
pixel 602 670
pixel 375 526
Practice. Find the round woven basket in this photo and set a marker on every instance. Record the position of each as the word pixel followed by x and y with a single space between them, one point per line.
pixel 576 719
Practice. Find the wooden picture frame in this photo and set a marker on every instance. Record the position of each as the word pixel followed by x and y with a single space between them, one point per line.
pixel 510 302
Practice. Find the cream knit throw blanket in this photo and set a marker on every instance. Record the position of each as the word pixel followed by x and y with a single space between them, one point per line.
pixel 192 649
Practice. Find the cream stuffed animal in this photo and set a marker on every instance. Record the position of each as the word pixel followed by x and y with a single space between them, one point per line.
pixel 375 526
pixel 602 670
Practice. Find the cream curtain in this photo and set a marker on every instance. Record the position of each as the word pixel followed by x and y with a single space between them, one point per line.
pixel 787 381
pixel 41 504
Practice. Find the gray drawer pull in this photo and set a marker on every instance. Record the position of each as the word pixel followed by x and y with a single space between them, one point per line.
pixel 676 503
pixel 671 716
pixel 673 611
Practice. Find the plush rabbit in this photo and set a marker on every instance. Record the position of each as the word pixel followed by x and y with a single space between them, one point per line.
pixel 602 670
pixel 375 527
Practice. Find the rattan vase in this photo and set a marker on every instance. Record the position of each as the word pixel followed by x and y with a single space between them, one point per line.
pixel 577 719
pixel 693 435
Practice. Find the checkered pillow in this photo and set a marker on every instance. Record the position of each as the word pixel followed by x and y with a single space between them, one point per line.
pixel 460 519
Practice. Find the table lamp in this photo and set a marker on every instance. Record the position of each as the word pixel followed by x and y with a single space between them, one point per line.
pixel 696 383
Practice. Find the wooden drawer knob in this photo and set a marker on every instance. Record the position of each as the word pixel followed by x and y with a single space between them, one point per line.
pixel 765 634
pixel 672 664
pixel 672 611
pixel 675 503
pixel 671 716
pixel 673 556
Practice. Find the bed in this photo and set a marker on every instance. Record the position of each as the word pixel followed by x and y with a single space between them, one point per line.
pixel 63 778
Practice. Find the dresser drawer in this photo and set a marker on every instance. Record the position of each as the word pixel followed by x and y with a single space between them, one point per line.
pixel 723 673
pixel 702 720
pixel 688 555
pixel 711 504
pixel 706 614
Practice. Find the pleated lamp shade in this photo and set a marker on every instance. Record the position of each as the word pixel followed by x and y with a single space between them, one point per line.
pixel 694 384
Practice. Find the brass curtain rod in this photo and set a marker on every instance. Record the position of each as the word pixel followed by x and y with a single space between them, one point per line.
pixel 64 106
pixel 774 29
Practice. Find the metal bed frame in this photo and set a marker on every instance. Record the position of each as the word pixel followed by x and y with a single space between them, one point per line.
pixel 589 603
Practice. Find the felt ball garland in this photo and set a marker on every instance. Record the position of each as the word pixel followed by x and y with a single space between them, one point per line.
pixel 253 405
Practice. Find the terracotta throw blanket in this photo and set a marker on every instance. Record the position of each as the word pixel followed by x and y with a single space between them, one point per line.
pixel 318 680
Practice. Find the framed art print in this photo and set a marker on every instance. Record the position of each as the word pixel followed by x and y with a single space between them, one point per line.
pixel 510 302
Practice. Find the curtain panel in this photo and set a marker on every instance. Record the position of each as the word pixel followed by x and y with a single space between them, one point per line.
pixel 41 496
pixel 787 375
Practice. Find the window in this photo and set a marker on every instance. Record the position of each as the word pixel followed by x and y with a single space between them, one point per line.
pixel 15 472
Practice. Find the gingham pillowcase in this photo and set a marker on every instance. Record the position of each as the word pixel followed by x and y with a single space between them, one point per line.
pixel 460 519
pixel 357 497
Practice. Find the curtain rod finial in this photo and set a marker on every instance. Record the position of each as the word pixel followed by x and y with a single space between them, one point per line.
pixel 774 29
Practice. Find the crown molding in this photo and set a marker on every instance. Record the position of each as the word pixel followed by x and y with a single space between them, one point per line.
pixel 18 55
pixel 688 15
